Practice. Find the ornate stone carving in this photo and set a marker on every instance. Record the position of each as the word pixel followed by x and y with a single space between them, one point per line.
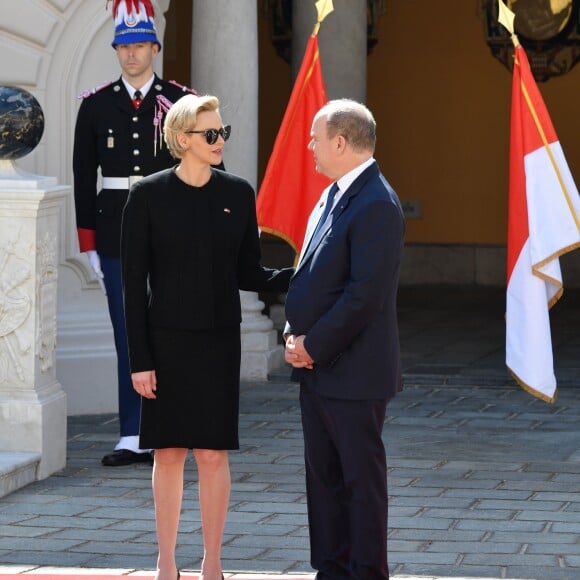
pixel 15 306
pixel 46 296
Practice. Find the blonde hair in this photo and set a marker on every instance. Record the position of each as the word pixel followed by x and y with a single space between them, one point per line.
pixel 182 116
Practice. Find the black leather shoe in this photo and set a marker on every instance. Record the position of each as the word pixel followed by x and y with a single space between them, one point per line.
pixel 126 457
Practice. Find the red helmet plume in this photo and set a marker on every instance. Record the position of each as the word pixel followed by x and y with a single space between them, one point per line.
pixel 134 6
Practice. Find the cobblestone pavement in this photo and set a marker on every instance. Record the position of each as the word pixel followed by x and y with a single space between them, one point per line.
pixel 483 482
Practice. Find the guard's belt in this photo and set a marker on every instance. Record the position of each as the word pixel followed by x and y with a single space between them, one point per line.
pixel 120 182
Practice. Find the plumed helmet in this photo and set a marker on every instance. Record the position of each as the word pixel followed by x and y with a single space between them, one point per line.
pixel 134 22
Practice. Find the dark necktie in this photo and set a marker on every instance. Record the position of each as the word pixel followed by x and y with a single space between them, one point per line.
pixel 327 208
pixel 137 98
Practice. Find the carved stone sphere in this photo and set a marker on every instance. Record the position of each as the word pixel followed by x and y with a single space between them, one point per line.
pixel 21 122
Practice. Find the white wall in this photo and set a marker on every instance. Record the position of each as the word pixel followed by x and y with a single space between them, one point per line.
pixel 55 49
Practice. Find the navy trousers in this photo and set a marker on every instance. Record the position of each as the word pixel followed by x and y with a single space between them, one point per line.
pixel 346 486
pixel 129 400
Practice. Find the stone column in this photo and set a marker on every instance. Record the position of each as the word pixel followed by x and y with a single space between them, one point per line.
pixel 225 64
pixel 343 45
pixel 32 402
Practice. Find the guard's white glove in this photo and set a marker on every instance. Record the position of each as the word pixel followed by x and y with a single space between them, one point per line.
pixel 95 263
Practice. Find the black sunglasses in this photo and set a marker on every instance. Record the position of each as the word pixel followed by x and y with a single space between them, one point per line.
pixel 211 135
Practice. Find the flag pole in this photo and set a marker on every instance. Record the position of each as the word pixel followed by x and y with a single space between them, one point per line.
pixel 506 19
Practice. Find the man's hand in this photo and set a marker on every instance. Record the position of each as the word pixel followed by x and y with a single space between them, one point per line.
pixel 95 263
pixel 145 383
pixel 295 353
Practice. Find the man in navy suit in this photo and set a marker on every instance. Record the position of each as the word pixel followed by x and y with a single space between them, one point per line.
pixel 342 340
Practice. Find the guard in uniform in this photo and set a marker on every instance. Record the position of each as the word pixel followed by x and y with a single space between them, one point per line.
pixel 119 129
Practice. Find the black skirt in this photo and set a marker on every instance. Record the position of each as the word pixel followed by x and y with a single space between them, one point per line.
pixel 198 390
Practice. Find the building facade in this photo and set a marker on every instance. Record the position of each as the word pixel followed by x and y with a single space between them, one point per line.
pixel 440 98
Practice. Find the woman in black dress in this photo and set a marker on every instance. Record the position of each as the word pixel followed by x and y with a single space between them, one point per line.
pixel 189 244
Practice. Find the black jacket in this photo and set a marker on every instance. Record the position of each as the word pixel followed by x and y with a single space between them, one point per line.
pixel 186 253
pixel 112 135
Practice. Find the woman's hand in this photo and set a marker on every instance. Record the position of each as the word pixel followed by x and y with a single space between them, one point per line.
pixel 145 383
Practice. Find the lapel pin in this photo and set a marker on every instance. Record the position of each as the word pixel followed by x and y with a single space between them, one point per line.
pixel 227 210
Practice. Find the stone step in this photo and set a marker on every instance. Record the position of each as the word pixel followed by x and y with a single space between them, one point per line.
pixel 17 469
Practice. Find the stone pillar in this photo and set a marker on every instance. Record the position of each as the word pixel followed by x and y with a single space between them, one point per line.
pixel 225 64
pixel 343 45
pixel 32 402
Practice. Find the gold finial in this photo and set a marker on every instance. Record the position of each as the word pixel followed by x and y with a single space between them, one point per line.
pixel 323 8
pixel 506 18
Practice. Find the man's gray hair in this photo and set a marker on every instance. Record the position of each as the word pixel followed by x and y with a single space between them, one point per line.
pixel 353 121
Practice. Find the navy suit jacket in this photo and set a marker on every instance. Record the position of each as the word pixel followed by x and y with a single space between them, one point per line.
pixel 343 294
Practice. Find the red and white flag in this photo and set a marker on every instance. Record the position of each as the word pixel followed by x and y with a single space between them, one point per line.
pixel 543 224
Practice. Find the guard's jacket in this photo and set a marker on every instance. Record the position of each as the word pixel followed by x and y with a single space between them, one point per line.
pixel 125 143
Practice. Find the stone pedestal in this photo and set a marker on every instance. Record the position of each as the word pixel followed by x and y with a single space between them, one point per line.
pixel 32 402
pixel 261 352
